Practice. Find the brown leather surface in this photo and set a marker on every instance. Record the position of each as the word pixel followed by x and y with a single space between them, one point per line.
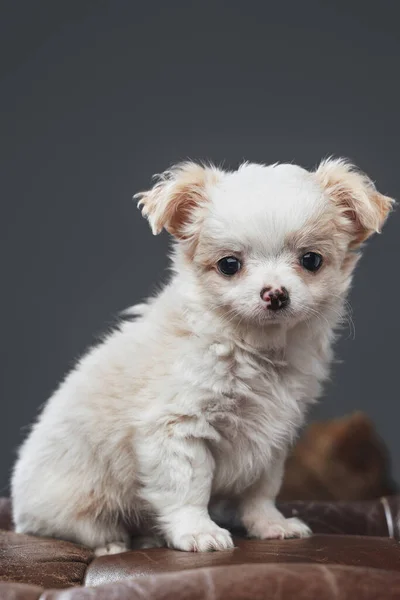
pixel 19 591
pixel 379 553
pixel 39 561
pixel 350 518
pixel 56 564
pixel 250 582
pixel 5 514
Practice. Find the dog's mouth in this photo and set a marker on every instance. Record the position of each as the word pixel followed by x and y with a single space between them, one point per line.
pixel 288 316
pixel 266 315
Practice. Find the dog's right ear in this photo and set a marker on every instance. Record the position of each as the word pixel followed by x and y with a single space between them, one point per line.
pixel 177 196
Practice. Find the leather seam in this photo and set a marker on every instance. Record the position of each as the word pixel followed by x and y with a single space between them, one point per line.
pixel 89 562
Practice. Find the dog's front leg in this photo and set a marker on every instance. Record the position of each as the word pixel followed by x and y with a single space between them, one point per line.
pixel 179 489
pixel 259 514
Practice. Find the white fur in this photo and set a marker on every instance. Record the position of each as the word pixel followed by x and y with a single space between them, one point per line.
pixel 200 397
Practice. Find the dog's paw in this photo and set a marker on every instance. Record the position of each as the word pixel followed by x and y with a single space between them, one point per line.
pixel 112 548
pixel 207 541
pixel 280 529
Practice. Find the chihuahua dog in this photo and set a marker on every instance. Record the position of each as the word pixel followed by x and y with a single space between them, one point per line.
pixel 197 400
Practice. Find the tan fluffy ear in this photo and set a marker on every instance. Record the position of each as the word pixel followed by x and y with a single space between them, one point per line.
pixel 363 209
pixel 171 203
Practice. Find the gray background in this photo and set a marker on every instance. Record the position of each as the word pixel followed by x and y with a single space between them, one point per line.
pixel 97 96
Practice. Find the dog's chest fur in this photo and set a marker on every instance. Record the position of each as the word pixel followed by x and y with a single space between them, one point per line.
pixel 249 406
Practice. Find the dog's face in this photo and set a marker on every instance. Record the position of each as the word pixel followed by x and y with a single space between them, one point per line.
pixel 267 244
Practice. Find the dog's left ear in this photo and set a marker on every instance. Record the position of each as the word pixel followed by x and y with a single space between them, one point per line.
pixel 177 197
pixel 363 209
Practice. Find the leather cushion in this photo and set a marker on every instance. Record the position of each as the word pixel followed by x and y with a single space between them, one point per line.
pixel 249 582
pixel 380 553
pixel 5 514
pixel 40 561
pixel 372 517
pixel 19 591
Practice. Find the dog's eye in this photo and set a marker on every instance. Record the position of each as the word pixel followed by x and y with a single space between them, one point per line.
pixel 229 265
pixel 311 261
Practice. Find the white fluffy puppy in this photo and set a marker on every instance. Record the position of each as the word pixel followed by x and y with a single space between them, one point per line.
pixel 199 398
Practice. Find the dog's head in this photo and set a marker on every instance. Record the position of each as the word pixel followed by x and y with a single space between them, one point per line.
pixel 267 244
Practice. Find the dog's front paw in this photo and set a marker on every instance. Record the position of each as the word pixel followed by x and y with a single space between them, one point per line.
pixel 203 541
pixel 280 529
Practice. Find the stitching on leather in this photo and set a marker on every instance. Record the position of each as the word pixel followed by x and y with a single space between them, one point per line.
pixel 388 516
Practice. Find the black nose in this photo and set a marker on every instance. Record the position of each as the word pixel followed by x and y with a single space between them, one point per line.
pixel 275 299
